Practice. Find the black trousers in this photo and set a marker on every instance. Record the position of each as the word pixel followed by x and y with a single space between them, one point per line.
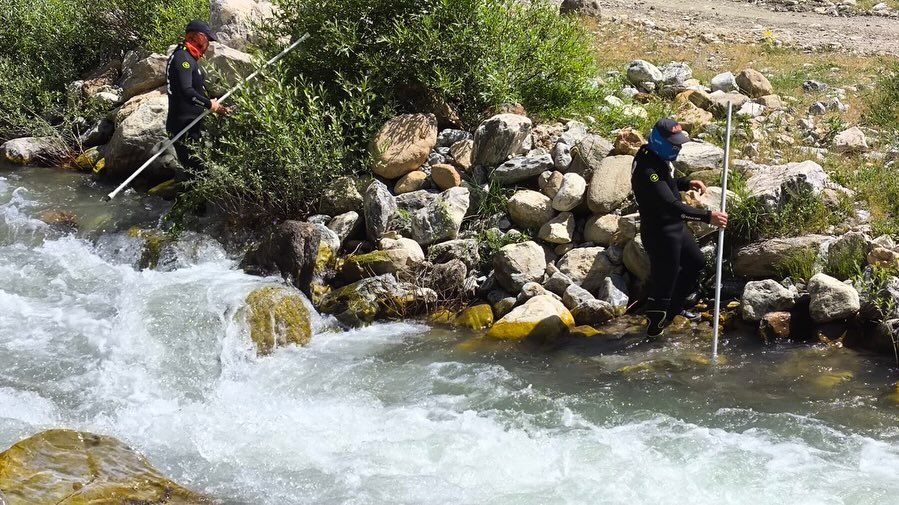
pixel 676 262
pixel 190 165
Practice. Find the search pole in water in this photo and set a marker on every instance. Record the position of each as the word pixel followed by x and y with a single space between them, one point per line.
pixel 720 259
pixel 169 143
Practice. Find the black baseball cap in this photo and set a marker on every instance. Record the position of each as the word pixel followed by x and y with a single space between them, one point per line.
pixel 200 26
pixel 672 131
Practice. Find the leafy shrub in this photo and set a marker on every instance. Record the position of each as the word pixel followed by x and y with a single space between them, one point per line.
pixel 883 104
pixel 468 54
pixel 281 149
pixel 800 265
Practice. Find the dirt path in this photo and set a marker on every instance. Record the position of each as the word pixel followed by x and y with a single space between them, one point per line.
pixel 861 34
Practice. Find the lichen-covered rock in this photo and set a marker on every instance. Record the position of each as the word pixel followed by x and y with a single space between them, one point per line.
pixel 762 297
pixel 610 185
pixel 517 264
pixel 831 300
pixel 403 144
pixel 479 317
pixel 530 209
pixel 442 218
pixel 277 317
pixel 498 138
pixel 558 230
pixel 754 84
pixel 345 225
pixel 541 317
pixel 69 467
pixel 586 266
pixel 766 258
pixel 392 256
pixel 362 302
pixel 380 207
pixel 343 196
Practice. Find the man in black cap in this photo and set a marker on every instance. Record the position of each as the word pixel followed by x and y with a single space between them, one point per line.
pixel 186 88
pixel 674 256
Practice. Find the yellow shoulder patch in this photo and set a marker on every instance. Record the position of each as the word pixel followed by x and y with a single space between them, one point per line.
pixel 654 178
pixel 186 64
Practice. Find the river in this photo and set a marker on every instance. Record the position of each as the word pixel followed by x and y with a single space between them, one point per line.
pixel 401 413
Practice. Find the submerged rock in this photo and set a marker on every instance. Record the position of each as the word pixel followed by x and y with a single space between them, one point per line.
pixel 70 467
pixel 277 317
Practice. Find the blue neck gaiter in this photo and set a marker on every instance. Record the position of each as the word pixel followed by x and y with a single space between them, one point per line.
pixel 664 149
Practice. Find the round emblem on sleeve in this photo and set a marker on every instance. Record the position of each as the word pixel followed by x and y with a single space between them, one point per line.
pixel 186 65
pixel 654 177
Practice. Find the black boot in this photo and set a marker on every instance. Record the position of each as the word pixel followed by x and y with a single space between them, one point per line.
pixel 686 314
pixel 656 314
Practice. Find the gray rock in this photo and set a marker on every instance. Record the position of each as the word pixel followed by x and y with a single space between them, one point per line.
pixel 725 82
pixel 557 283
pixel 610 185
pixel 224 67
pixel 552 184
pixel 817 109
pixel 601 229
pixel 628 227
pixel 575 295
pixel 640 72
pixel 831 300
pixel 142 74
pixel 751 110
pixel 380 207
pixel 448 137
pixel 765 259
pixel 138 137
pixel 587 155
pixel 522 168
pixel 531 290
pixel 773 185
pixel 675 74
pixel 291 250
pixel 342 197
pixel 500 137
pixel 696 156
pixel 97 135
pixel 762 297
pixel 32 150
pixel 753 83
pixel 464 250
pixel 345 225
pixel 558 230
pixel 235 21
pixel 636 260
pixel 436 159
pixel 813 86
pixel 851 140
pixel 571 193
pixel 441 219
pixel 575 132
pixel 586 266
pixel 561 155
pixel 614 292
pixel 530 209
pixel 416 200
pixel 517 264
pixel 589 8
pixel 593 313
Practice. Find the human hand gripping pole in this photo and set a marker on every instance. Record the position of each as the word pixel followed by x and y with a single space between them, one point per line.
pixel 716 315
pixel 169 143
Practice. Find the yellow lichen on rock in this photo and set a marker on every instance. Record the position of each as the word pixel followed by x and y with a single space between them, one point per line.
pixel 62 467
pixel 277 317
pixel 540 317
pixel 479 317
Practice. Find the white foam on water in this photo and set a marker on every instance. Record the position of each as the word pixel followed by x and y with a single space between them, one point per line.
pixel 162 361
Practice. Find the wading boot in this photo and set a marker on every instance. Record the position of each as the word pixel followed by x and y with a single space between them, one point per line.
pixel 656 313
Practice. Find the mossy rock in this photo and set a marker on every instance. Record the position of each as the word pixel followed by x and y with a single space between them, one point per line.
pixel 541 317
pixel 831 380
pixel 442 317
pixel 62 467
pixel 479 317
pixel 584 331
pixel 361 266
pixel 892 397
pixel 277 317
pixel 153 243
pixel 88 160
pixel 167 190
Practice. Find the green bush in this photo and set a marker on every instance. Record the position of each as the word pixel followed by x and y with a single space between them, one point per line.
pixel 468 54
pixel 46 44
pixel 277 154
pixel 883 104
pixel 800 265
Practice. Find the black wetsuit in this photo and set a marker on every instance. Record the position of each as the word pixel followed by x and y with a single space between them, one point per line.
pixel 186 88
pixel 674 256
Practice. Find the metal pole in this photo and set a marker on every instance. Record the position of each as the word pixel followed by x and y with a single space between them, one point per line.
pixel 720 259
pixel 169 143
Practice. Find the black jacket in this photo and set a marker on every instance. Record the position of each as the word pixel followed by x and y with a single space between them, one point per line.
pixel 658 192
pixel 186 88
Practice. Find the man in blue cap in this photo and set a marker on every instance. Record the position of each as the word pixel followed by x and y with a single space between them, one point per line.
pixel 186 89
pixel 674 256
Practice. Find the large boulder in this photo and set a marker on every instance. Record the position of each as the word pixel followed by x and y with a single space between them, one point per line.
pixel 292 250
pixel 277 317
pixel 522 168
pixel 636 259
pixel 233 21
pixel 403 144
pixel 142 73
pixel 379 208
pixel 610 185
pixel 559 230
pixel 530 209
pixel 774 185
pixel 541 317
pixel 831 300
pixel 517 264
pixel 442 218
pixel 766 258
pixel 33 150
pixel 586 266
pixel 137 138
pixel 588 8
pixel 644 75
pixel 601 229
pixel 696 156
pixel 754 84
pixel 570 193
pixel 225 67
pixel 765 296
pixel 70 467
pixel 587 155
pixel 392 256
pixel 499 138
pixel 361 302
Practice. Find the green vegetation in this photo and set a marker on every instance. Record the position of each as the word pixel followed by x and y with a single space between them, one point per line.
pixel 46 44
pixel 883 104
pixel 801 265
pixel 876 185
pixel 492 240
pixel 847 258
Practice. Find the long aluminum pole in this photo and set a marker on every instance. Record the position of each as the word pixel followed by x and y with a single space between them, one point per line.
pixel 720 259
pixel 169 143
